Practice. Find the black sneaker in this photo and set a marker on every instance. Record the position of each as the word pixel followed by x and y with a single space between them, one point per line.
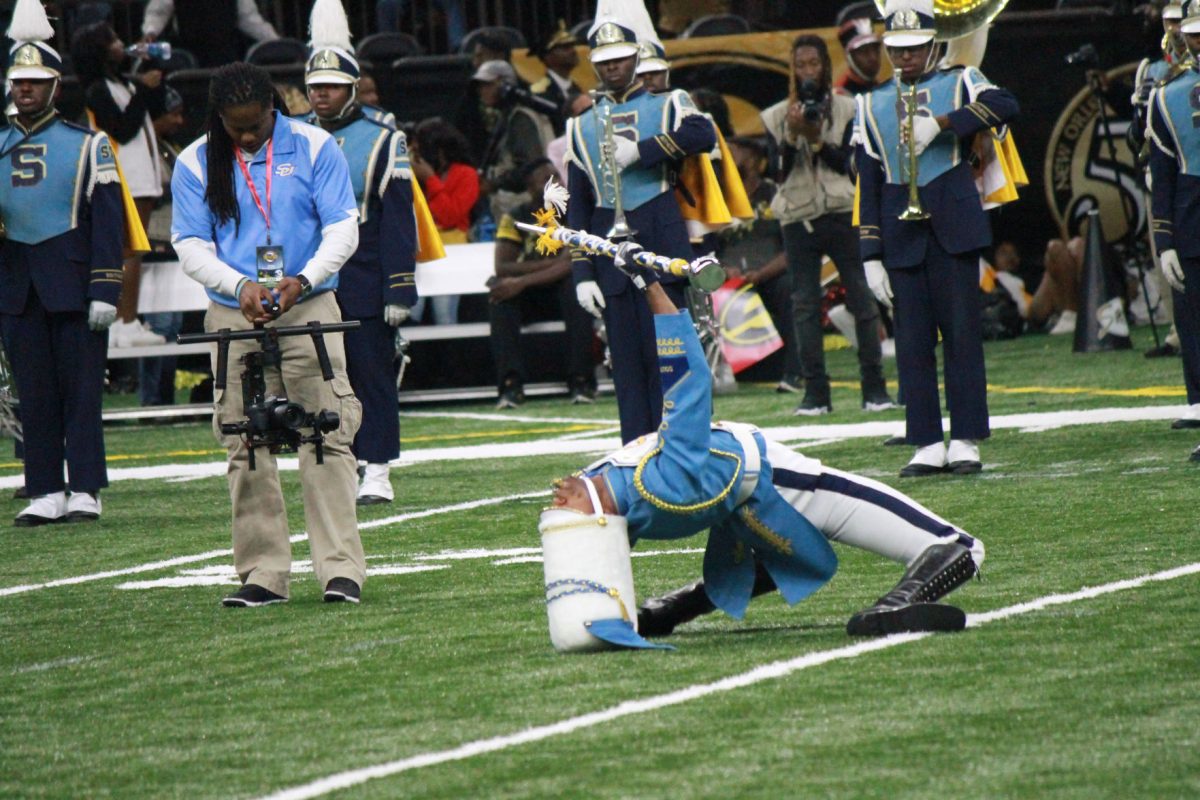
pixel 342 590
pixel 789 384
pixel 251 596
pixel 582 392
pixel 879 402
pixel 512 393
pixel 812 407
pixel 1164 350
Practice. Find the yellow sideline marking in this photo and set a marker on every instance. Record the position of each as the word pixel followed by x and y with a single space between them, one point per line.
pixel 993 388
pixel 403 439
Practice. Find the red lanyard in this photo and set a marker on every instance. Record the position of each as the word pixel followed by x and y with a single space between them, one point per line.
pixel 266 212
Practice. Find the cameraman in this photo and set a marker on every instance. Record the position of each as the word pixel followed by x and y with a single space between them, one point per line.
pixel 808 137
pixel 520 136
pixel 266 201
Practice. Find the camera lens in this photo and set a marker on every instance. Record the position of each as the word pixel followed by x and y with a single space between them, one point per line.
pixel 288 416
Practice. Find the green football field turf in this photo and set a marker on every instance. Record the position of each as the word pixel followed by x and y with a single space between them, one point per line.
pixel 122 676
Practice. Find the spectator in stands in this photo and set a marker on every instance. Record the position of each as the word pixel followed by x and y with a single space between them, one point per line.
pixel 442 165
pixel 156 376
pixel 388 14
pixel 528 287
pixel 1056 301
pixel 521 135
pixel 864 53
pixel 208 28
pixel 559 55
pixel 118 106
pixel 808 135
pixel 753 250
pixel 474 119
pixel 368 90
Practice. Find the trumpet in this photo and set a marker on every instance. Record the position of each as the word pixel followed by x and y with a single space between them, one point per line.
pixel 610 173
pixel 908 102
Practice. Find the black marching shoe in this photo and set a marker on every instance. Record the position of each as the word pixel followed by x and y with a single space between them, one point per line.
pixel 659 616
pixel 251 596
pixel 912 606
pixel 342 590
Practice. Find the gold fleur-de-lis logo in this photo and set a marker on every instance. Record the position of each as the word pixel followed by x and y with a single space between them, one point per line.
pixel 28 56
pixel 326 59
pixel 906 20
pixel 609 33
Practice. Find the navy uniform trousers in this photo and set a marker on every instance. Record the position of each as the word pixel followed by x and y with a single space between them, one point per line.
pixel 941 294
pixel 1187 322
pixel 58 367
pixel 370 357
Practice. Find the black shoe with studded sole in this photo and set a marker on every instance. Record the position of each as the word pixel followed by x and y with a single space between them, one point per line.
pixel 939 570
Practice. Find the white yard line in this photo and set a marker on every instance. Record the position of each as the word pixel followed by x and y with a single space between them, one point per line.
pixel 604 441
pixel 504 417
pixel 213 554
pixel 777 669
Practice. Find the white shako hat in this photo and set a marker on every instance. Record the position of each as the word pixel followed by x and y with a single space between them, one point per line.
pixel 332 59
pixel 1172 10
pixel 652 56
pixel 908 23
pixel 1191 17
pixel 30 57
pixel 612 33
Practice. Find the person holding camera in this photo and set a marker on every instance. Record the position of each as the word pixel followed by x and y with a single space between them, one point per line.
pixel 265 217
pixel 922 229
pixel 808 137
pixel 521 134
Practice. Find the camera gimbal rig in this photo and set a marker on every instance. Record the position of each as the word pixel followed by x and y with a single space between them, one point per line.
pixel 273 422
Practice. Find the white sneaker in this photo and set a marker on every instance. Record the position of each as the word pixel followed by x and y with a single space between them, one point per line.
pixel 1065 324
pixel 133 334
pixel 43 510
pixel 963 457
pixel 928 460
pixel 83 507
pixel 1188 419
pixel 376 486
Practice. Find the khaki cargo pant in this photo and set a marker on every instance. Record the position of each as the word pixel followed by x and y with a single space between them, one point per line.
pixel 262 553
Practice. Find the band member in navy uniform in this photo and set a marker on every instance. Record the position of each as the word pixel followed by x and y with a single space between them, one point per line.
pixel 1175 200
pixel 930 265
pixel 650 133
pixel 376 286
pixel 770 512
pixel 60 277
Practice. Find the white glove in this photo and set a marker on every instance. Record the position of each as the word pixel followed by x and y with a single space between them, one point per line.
pixel 590 297
pixel 395 314
pixel 101 315
pixel 1172 269
pixel 626 153
pixel 925 130
pixel 878 282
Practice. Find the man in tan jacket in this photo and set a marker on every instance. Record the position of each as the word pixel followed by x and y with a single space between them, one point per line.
pixel 808 137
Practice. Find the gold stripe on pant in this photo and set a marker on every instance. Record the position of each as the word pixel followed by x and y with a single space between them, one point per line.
pixel 262 553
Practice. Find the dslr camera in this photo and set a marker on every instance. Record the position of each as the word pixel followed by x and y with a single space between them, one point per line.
pixel 812 99
pixel 275 423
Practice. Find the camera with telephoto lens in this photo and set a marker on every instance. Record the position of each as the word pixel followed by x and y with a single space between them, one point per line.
pixel 511 93
pixel 273 422
pixel 1085 56
pixel 812 100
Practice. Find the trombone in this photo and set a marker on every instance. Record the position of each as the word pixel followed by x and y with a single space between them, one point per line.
pixel 908 101
pixel 610 173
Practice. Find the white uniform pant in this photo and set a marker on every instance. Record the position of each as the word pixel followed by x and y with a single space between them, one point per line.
pixel 860 512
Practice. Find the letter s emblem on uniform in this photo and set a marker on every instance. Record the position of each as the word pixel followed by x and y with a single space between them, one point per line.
pixel 29 165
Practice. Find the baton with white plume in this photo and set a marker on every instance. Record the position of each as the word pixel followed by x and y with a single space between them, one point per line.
pixel 704 274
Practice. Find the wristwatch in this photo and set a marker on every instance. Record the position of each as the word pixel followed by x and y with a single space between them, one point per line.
pixel 305 285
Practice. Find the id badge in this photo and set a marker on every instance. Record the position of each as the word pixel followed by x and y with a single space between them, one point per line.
pixel 270 265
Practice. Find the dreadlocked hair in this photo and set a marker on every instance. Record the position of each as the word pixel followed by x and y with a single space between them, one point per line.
pixel 234 84
pixel 818 44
